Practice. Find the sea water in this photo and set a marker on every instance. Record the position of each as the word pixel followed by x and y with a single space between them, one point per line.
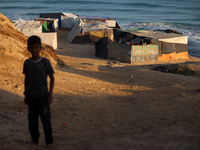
pixel 180 15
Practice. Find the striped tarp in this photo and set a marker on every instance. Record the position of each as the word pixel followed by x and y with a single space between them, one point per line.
pixel 144 53
pixel 134 53
pixel 121 52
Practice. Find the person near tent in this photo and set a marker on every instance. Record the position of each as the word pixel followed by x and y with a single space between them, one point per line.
pixel 36 92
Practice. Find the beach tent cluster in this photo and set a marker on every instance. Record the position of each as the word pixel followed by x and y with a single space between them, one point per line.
pixel 132 46
pixel 145 46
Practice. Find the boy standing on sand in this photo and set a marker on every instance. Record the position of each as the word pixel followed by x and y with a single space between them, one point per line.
pixel 36 92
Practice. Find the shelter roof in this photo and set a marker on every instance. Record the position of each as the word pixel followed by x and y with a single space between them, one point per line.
pixel 156 35
pixel 69 14
pixel 56 15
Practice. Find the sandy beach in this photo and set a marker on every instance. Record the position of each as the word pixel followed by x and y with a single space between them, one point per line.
pixel 102 104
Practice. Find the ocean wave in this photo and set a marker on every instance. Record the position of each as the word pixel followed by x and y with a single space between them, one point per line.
pixel 23 17
pixel 162 25
pixel 185 29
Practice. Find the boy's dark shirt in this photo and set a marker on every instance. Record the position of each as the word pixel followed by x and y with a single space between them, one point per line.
pixel 36 77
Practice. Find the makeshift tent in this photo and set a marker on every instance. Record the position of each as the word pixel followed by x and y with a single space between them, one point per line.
pixel 66 20
pixel 171 46
pixel 29 28
pixel 81 31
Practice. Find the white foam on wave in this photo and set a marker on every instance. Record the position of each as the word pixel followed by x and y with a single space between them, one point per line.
pixel 22 17
pixel 189 31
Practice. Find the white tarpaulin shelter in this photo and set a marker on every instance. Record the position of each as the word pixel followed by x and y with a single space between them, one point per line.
pixel 29 26
pixel 74 32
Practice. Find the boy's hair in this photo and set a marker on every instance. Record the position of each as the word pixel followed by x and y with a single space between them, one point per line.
pixel 34 39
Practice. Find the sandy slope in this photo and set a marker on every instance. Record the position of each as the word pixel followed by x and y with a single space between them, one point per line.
pixel 98 106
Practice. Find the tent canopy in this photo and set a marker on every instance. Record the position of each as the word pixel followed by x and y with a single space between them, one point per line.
pixel 29 26
pixel 93 26
pixel 167 37
pixel 69 15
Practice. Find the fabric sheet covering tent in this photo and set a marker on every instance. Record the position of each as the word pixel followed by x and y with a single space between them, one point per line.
pixel 66 20
pixel 74 32
pixel 132 54
pixel 83 30
pixel 112 23
pixel 30 28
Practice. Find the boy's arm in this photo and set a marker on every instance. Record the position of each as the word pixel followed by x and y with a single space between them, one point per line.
pixel 51 88
pixel 25 87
